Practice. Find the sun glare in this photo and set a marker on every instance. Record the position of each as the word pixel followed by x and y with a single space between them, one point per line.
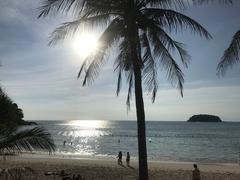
pixel 84 44
pixel 87 124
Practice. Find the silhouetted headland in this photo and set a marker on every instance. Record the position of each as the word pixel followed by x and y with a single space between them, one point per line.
pixel 10 113
pixel 19 123
pixel 204 118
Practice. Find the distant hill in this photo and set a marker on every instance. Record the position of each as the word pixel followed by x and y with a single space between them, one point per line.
pixel 204 118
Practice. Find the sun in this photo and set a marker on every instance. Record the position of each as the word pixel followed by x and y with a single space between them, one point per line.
pixel 85 43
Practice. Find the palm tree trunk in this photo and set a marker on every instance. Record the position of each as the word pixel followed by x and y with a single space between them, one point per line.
pixel 142 149
pixel 133 38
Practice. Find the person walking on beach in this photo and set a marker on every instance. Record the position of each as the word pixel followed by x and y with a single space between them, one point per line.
pixel 196 173
pixel 128 159
pixel 120 158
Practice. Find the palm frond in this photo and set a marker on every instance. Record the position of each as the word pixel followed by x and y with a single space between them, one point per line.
pixel 69 29
pixel 167 41
pixel 231 55
pixel 79 7
pixel 124 64
pixel 27 140
pixel 149 71
pixel 130 81
pixel 90 68
pixel 122 61
pixel 167 62
pixel 105 6
pixel 52 7
pixel 173 20
pixel 185 57
pixel 176 4
pixel 119 81
pixel 208 1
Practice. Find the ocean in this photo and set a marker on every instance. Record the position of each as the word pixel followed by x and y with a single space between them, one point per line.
pixel 166 141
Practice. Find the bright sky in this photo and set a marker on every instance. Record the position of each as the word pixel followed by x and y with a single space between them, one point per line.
pixel 42 80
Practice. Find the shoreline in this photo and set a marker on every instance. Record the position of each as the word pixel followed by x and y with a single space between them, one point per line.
pixel 233 167
pixel 106 168
pixel 70 156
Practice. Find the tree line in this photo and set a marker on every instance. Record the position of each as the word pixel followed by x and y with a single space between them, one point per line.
pixel 10 113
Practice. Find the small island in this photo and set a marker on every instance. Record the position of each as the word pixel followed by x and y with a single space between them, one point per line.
pixel 204 118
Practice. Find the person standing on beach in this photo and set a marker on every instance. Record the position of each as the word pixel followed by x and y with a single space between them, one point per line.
pixel 196 173
pixel 128 159
pixel 120 158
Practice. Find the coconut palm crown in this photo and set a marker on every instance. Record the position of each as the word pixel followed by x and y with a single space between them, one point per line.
pixel 140 30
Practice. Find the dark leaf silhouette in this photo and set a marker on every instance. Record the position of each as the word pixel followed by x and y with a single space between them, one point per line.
pixel 231 55
pixel 16 141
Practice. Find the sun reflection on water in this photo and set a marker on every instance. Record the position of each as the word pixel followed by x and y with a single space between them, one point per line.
pixel 88 124
pixel 86 128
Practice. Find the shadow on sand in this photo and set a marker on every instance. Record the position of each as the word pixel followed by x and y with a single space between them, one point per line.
pixel 130 167
pixel 122 165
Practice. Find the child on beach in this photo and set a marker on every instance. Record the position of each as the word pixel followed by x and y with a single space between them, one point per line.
pixel 120 158
pixel 128 159
pixel 196 173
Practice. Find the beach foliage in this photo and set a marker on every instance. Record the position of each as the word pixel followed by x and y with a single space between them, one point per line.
pixel 17 140
pixel 10 113
pixel 140 30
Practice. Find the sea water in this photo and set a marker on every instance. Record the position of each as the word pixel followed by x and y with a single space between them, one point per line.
pixel 166 141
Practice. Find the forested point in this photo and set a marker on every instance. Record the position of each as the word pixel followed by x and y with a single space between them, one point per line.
pixel 10 113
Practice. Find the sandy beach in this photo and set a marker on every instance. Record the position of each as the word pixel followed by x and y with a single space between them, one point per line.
pixel 108 169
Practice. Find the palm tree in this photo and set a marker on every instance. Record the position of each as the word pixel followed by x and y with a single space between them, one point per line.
pixel 231 55
pixel 13 140
pixel 140 29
